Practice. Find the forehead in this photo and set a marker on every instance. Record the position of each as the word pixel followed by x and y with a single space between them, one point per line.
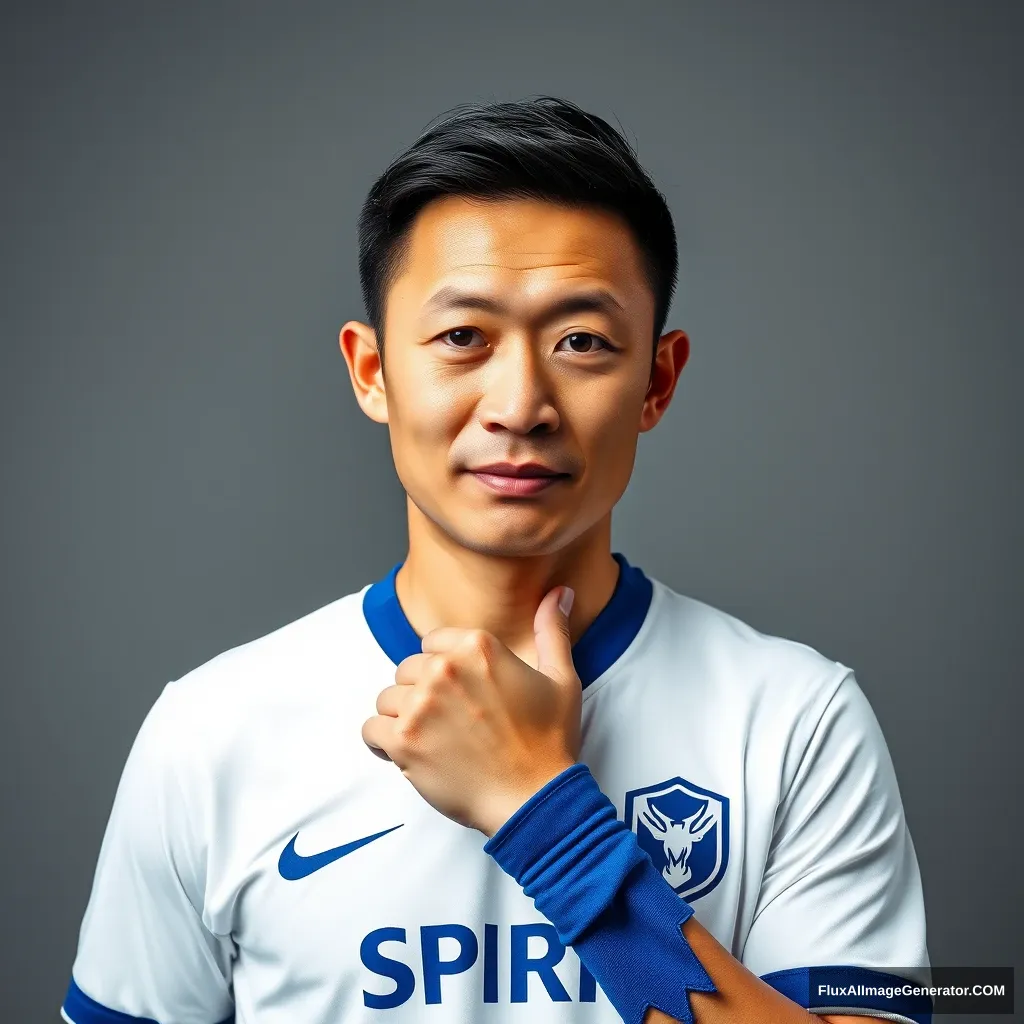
pixel 523 245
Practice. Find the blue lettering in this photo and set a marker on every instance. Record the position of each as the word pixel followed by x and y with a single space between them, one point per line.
pixel 519 962
pixel 374 960
pixel 433 966
pixel 490 963
pixel 522 965
pixel 588 985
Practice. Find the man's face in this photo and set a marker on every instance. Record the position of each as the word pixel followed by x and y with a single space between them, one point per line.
pixel 523 381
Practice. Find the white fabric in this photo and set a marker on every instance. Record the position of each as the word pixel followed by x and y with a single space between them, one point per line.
pixel 189 916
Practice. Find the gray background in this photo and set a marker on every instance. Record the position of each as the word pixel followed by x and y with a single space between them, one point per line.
pixel 185 467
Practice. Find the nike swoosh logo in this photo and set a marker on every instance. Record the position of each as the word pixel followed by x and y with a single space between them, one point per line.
pixel 294 866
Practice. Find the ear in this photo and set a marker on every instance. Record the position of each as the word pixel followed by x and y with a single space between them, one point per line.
pixel 673 352
pixel 358 343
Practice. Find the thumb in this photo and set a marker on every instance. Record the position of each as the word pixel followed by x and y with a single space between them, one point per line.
pixel 552 637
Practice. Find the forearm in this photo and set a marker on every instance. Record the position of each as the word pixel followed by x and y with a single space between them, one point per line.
pixel 635 936
pixel 741 996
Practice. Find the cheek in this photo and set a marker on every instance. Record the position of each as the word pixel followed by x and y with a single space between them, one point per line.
pixel 423 423
pixel 611 443
pixel 612 427
pixel 613 456
pixel 424 415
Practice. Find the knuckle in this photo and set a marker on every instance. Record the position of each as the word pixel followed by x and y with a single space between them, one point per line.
pixel 445 669
pixel 481 639
pixel 480 643
pixel 407 734
pixel 427 704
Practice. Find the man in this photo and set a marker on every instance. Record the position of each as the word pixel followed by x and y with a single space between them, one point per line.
pixel 517 779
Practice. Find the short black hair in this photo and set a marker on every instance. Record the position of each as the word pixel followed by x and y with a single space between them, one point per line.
pixel 540 148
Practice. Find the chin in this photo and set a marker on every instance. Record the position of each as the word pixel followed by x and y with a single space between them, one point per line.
pixel 506 543
pixel 507 547
pixel 504 533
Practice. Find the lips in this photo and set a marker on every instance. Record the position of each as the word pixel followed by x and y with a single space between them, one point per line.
pixel 518 486
pixel 520 480
pixel 526 469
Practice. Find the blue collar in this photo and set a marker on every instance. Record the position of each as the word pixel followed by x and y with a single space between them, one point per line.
pixel 603 643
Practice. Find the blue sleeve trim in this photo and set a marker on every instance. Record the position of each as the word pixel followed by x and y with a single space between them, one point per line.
pixel 843 985
pixel 84 1010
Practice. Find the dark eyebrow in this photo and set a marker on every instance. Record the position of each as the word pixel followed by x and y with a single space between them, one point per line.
pixel 594 300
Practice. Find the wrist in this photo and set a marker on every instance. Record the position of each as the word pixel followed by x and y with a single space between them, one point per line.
pixel 502 807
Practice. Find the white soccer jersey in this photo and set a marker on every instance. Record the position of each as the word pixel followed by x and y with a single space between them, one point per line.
pixel 260 864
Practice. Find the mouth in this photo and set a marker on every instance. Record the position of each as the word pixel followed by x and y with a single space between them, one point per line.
pixel 518 481
pixel 519 486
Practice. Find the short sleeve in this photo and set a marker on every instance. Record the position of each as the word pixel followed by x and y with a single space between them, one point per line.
pixel 841 887
pixel 144 951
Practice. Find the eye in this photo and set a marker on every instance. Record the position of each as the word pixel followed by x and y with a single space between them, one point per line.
pixel 459 337
pixel 582 338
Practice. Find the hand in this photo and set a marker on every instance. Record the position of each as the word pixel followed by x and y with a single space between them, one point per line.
pixel 475 729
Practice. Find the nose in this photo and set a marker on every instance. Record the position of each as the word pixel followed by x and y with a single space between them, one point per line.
pixel 518 395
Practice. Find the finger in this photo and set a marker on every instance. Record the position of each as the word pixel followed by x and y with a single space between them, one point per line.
pixel 445 638
pixel 554 646
pixel 391 701
pixel 466 646
pixel 412 669
pixel 378 735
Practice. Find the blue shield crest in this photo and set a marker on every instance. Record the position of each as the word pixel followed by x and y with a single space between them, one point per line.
pixel 684 829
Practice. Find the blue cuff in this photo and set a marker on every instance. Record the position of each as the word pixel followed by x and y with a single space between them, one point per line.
pixel 569 824
pixel 588 875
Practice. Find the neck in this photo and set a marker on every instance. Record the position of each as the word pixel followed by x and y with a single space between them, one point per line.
pixel 442 583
